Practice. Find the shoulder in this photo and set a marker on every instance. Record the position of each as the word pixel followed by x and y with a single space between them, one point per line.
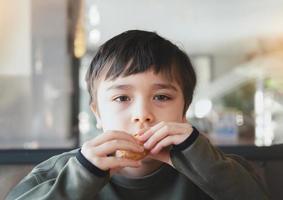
pixel 54 165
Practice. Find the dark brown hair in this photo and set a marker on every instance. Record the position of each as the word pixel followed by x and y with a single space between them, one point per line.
pixel 137 51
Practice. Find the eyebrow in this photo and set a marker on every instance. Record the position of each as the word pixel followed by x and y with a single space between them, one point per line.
pixel 120 87
pixel 156 86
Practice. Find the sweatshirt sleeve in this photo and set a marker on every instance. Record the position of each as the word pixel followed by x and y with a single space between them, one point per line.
pixel 61 177
pixel 220 176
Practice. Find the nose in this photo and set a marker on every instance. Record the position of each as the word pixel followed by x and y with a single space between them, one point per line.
pixel 142 114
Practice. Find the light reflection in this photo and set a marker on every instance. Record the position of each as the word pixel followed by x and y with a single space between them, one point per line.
pixel 84 125
pixel 94 36
pixel 263 116
pixel 94 16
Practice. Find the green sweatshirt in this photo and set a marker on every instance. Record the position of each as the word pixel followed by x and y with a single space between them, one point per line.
pixel 200 172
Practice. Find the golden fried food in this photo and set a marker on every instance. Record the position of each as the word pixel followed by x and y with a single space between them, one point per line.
pixel 132 155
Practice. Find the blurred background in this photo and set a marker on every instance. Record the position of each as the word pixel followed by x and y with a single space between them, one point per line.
pixel 46 47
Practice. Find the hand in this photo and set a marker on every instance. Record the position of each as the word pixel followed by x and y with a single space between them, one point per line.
pixel 100 151
pixel 160 137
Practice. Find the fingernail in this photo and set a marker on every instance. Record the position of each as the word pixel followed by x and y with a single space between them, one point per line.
pixel 146 145
pixel 153 152
pixel 141 149
pixel 141 138
pixel 138 136
pixel 140 133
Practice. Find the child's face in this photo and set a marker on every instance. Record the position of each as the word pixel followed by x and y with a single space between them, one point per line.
pixel 138 101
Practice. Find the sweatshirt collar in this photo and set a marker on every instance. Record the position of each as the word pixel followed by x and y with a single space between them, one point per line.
pixel 156 178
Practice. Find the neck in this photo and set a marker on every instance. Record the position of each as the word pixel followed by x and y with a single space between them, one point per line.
pixel 147 167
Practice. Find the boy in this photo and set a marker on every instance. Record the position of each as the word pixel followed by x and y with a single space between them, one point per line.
pixel 141 83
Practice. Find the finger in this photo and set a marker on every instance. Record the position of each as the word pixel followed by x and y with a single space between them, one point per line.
pixel 111 135
pixel 151 131
pixel 139 134
pixel 167 129
pixel 141 131
pixel 170 140
pixel 110 147
pixel 156 137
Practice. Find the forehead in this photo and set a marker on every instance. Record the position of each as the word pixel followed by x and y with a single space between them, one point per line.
pixel 144 79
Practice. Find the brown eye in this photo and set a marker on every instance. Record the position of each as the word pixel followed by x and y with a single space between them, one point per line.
pixel 122 98
pixel 161 98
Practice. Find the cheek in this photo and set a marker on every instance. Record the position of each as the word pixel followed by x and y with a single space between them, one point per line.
pixel 112 116
pixel 172 115
pixel 113 120
pixel 174 112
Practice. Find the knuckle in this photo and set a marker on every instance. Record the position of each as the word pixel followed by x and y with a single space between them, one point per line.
pixel 166 127
pixel 151 129
pixel 85 148
pixel 114 142
pixel 98 161
pixel 108 134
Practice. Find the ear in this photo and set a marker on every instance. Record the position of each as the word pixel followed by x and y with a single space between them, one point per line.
pixel 96 114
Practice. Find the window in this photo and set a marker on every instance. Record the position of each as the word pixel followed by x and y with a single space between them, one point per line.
pixel 38 75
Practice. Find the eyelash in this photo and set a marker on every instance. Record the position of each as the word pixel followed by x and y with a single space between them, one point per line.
pixel 118 99
pixel 164 97
pixel 124 98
